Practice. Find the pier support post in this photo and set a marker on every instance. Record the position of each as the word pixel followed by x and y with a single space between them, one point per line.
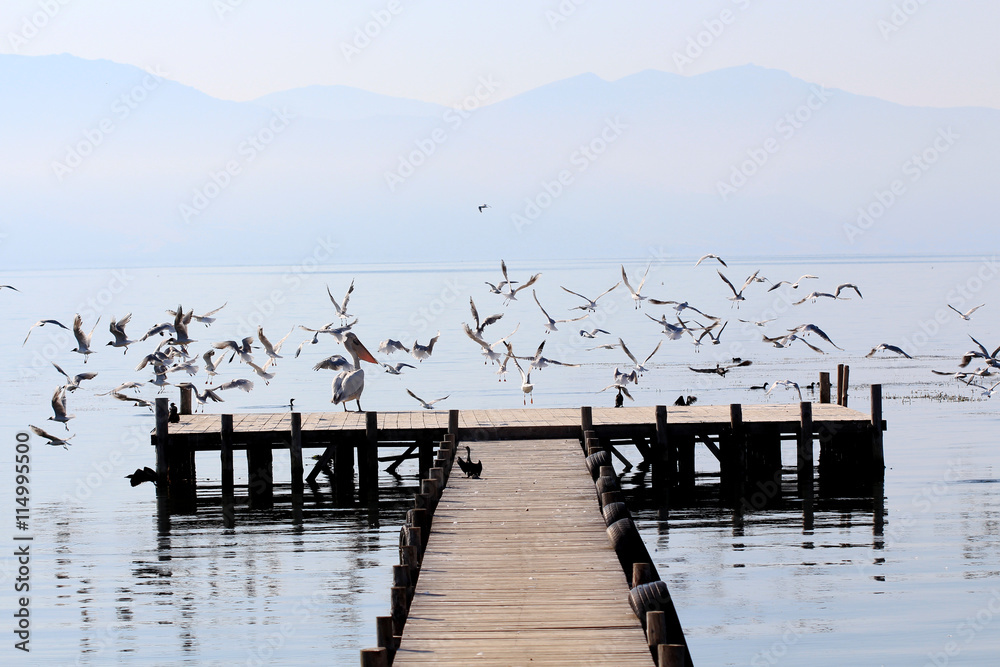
pixel 343 472
pixel 384 635
pixel 664 464
pixel 295 456
pixel 733 462
pixel 425 451
pixel 226 454
pixel 260 476
pixel 453 425
pixel 671 655
pixel 374 657
pixel 804 466
pixel 878 455
pixel 185 408
pixel 368 460
pixel 586 424
pixel 175 468
pixel 824 387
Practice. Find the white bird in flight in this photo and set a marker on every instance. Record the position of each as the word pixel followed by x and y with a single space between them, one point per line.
pixel 591 304
pixel 550 322
pixel 637 297
pixel 82 339
pixel 52 439
pixel 427 405
pixel 710 256
pixel 59 407
pixel 967 314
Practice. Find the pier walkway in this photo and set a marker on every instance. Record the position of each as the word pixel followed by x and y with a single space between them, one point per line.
pixel 519 570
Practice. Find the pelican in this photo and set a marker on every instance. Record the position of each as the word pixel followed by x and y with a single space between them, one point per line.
pixel 388 346
pixel 591 305
pixel 341 309
pixel 117 329
pixel 59 407
pixel 488 351
pixel 794 285
pixel 53 440
pixel 788 384
pixel 966 315
pixel 396 368
pixel 550 324
pixel 485 323
pixel 82 339
pixel 42 323
pixel 737 295
pixel 349 384
pixel 887 348
pixel 421 352
pixel 427 405
pixel 269 349
pixel 73 383
pixel 710 256
pixel 636 296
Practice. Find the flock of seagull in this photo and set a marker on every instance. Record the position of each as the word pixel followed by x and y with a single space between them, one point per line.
pixel 168 345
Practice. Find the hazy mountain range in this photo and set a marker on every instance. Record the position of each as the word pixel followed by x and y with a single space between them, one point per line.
pixel 107 164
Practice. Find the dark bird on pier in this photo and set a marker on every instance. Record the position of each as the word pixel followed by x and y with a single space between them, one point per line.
pixel 174 417
pixel 141 475
pixel 690 400
pixel 471 469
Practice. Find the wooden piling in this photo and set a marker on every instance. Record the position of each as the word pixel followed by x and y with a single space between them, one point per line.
pixel 671 655
pixel 374 657
pixel 295 455
pixel 343 472
pixel 878 455
pixel 733 462
pixel 824 387
pixel 185 408
pixel 840 384
pixel 425 447
pixel 453 425
pixel 162 438
pixel 368 459
pixel 384 634
pixel 847 384
pixel 226 454
pixel 656 629
pixel 663 463
pixel 586 424
pixel 642 573
pixel 804 465
pixel 260 477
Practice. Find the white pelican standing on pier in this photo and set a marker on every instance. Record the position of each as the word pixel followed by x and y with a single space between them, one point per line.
pixel 349 384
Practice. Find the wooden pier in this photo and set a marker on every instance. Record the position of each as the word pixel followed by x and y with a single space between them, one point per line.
pixel 746 440
pixel 518 569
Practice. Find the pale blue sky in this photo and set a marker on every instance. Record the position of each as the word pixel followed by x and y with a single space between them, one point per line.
pixel 916 52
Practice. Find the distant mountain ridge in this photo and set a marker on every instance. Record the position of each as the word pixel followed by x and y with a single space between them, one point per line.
pixel 744 160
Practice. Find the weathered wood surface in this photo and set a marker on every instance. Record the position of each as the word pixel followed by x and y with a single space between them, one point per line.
pixel 471 420
pixel 519 570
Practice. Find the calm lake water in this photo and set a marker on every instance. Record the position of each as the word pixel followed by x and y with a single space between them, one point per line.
pixel 113 581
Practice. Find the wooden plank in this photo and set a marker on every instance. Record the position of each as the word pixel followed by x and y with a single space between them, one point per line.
pixel 519 568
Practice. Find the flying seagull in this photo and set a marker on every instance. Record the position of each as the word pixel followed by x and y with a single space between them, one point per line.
pixel 966 315
pixel 427 405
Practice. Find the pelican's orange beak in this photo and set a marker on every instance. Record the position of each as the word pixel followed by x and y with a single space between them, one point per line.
pixel 364 354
